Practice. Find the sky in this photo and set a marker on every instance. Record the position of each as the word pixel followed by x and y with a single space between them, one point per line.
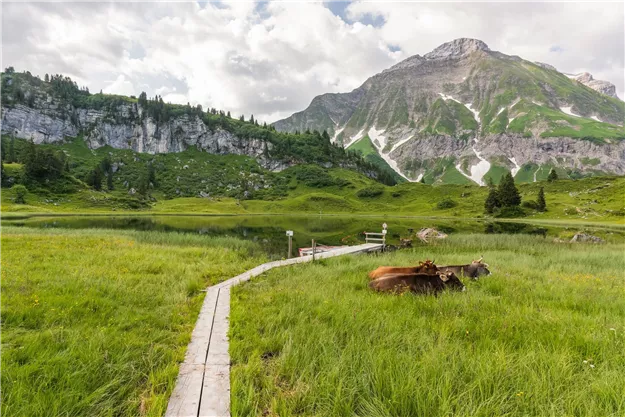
pixel 270 59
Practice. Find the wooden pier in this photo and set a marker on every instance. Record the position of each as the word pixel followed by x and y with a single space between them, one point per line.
pixel 203 385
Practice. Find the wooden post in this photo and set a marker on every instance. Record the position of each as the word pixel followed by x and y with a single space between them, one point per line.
pixel 314 245
pixel 289 233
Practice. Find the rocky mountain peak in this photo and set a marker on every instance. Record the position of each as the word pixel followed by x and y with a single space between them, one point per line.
pixel 457 48
pixel 586 78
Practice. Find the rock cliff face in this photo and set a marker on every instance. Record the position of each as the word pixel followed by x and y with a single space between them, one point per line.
pixel 479 107
pixel 47 123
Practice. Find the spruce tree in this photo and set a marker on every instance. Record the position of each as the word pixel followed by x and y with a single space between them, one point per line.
pixel 507 193
pixel 540 200
pixel 492 201
pixel 109 180
pixel 11 156
pixel 553 175
pixel 95 178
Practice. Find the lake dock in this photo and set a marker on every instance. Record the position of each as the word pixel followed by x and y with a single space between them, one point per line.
pixel 203 385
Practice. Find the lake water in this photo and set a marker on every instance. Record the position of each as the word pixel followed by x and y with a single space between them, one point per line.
pixel 270 231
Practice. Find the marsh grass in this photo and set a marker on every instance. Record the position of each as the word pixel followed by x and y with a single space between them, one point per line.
pixel 95 322
pixel 544 335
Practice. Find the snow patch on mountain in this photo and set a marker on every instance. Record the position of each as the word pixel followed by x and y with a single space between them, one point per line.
pixel 376 135
pixel 478 170
pixel 516 166
pixel 401 142
pixel 476 114
pixel 354 138
pixel 379 141
pixel 568 111
pixel 336 134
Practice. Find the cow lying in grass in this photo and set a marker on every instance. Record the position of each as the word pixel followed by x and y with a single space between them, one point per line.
pixel 426 267
pixel 473 270
pixel 417 283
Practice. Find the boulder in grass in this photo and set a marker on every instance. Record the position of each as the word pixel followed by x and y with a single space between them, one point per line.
pixel 586 238
pixel 430 233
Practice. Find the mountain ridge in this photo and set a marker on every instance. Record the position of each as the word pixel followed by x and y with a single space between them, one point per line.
pixel 465 91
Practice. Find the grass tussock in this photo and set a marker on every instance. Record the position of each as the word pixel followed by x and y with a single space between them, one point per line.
pixel 543 336
pixel 95 322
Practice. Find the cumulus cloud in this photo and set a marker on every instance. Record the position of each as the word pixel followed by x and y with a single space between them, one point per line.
pixel 271 59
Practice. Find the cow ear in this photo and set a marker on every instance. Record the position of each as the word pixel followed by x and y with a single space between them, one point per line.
pixel 444 277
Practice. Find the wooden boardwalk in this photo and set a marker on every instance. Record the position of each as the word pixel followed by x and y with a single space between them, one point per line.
pixel 203 385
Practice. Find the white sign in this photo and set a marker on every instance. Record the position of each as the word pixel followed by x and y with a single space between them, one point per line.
pixel 384 231
pixel 384 226
pixel 289 233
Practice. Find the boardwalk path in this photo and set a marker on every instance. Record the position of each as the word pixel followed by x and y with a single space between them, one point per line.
pixel 203 385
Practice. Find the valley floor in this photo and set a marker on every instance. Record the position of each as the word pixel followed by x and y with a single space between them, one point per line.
pixel 589 200
pixel 542 336
pixel 95 322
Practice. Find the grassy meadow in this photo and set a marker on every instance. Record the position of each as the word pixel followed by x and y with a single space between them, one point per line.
pixel 544 335
pixel 95 322
pixel 597 199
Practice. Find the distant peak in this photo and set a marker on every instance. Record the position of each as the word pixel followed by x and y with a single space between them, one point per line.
pixel 456 48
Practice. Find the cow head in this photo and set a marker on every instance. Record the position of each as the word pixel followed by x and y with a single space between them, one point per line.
pixel 480 267
pixel 427 267
pixel 451 281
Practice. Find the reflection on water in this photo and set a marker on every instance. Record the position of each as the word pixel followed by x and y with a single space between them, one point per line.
pixel 328 230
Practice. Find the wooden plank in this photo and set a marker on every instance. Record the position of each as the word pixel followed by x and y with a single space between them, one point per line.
pixel 216 392
pixel 185 400
pixel 203 385
pixel 200 338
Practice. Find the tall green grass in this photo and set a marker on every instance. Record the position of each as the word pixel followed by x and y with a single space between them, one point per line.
pixel 543 336
pixel 95 322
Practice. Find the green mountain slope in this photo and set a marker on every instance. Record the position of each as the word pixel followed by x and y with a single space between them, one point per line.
pixel 371 155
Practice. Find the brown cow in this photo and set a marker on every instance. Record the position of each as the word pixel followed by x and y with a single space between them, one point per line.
pixel 417 283
pixel 473 270
pixel 426 267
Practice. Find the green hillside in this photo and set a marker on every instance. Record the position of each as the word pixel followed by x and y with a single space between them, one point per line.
pixel 371 155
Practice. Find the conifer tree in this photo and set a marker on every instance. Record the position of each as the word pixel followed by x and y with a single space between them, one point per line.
pixel 508 194
pixel 540 200
pixel 95 178
pixel 553 175
pixel 492 201
pixel 11 156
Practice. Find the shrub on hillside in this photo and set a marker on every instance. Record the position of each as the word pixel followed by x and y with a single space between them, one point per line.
pixel 512 211
pixel 446 203
pixel 530 204
pixel 20 194
pixel 370 192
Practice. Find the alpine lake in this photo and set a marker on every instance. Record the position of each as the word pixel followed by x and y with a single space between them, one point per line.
pixel 270 230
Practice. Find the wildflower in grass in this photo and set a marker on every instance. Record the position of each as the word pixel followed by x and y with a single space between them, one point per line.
pixel 592 366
